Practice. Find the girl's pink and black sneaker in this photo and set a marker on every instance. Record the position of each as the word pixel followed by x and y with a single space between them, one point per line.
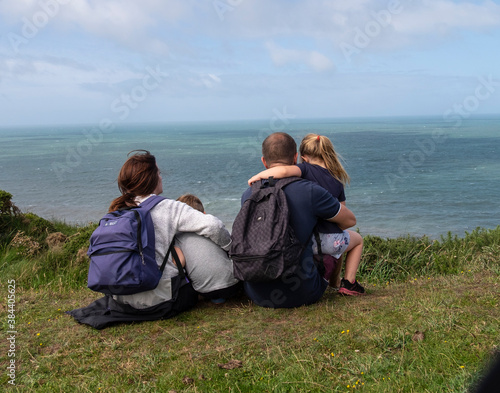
pixel 351 289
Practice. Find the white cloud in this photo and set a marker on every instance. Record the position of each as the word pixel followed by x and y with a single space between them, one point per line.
pixel 408 21
pixel 430 17
pixel 50 71
pixel 90 51
pixel 313 59
pixel 127 22
pixel 155 26
pixel 210 80
pixel 17 8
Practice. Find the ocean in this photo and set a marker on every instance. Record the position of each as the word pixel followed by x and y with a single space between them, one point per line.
pixel 409 175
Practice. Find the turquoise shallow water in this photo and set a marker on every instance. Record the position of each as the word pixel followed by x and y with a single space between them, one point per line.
pixel 408 175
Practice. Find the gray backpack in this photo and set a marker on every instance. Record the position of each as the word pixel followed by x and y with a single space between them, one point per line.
pixel 264 246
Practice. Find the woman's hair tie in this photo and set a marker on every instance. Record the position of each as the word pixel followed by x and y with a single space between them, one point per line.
pixel 317 138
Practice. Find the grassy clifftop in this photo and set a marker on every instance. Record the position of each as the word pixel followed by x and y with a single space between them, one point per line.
pixel 430 322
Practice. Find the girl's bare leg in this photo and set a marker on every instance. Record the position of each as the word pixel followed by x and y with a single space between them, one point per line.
pixel 353 258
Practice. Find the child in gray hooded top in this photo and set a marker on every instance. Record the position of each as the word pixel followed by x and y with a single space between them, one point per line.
pixel 208 266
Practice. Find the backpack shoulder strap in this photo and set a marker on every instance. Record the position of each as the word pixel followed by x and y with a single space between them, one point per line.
pixel 318 240
pixel 176 259
pixel 144 207
pixel 318 258
pixel 147 205
pixel 151 202
pixel 272 182
pixel 286 181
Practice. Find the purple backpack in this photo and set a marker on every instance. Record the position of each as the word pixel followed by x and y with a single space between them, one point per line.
pixel 122 252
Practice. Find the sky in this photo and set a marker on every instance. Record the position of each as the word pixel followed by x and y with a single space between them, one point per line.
pixel 128 61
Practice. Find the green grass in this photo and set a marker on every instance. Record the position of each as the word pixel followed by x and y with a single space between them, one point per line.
pixel 430 323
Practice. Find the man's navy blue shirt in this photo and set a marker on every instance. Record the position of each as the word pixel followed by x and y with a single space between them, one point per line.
pixel 307 202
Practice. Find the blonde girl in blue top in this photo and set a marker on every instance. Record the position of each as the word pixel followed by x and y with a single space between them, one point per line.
pixel 321 164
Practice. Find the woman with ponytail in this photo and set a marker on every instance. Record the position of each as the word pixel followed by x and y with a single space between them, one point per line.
pixel 139 176
pixel 322 165
pixel 139 179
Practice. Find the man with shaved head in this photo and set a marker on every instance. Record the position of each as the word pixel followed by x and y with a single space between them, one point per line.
pixel 307 203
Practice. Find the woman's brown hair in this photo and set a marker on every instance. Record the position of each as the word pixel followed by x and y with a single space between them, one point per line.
pixel 139 176
pixel 319 146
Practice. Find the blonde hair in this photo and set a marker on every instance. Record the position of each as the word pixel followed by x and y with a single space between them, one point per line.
pixel 319 146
